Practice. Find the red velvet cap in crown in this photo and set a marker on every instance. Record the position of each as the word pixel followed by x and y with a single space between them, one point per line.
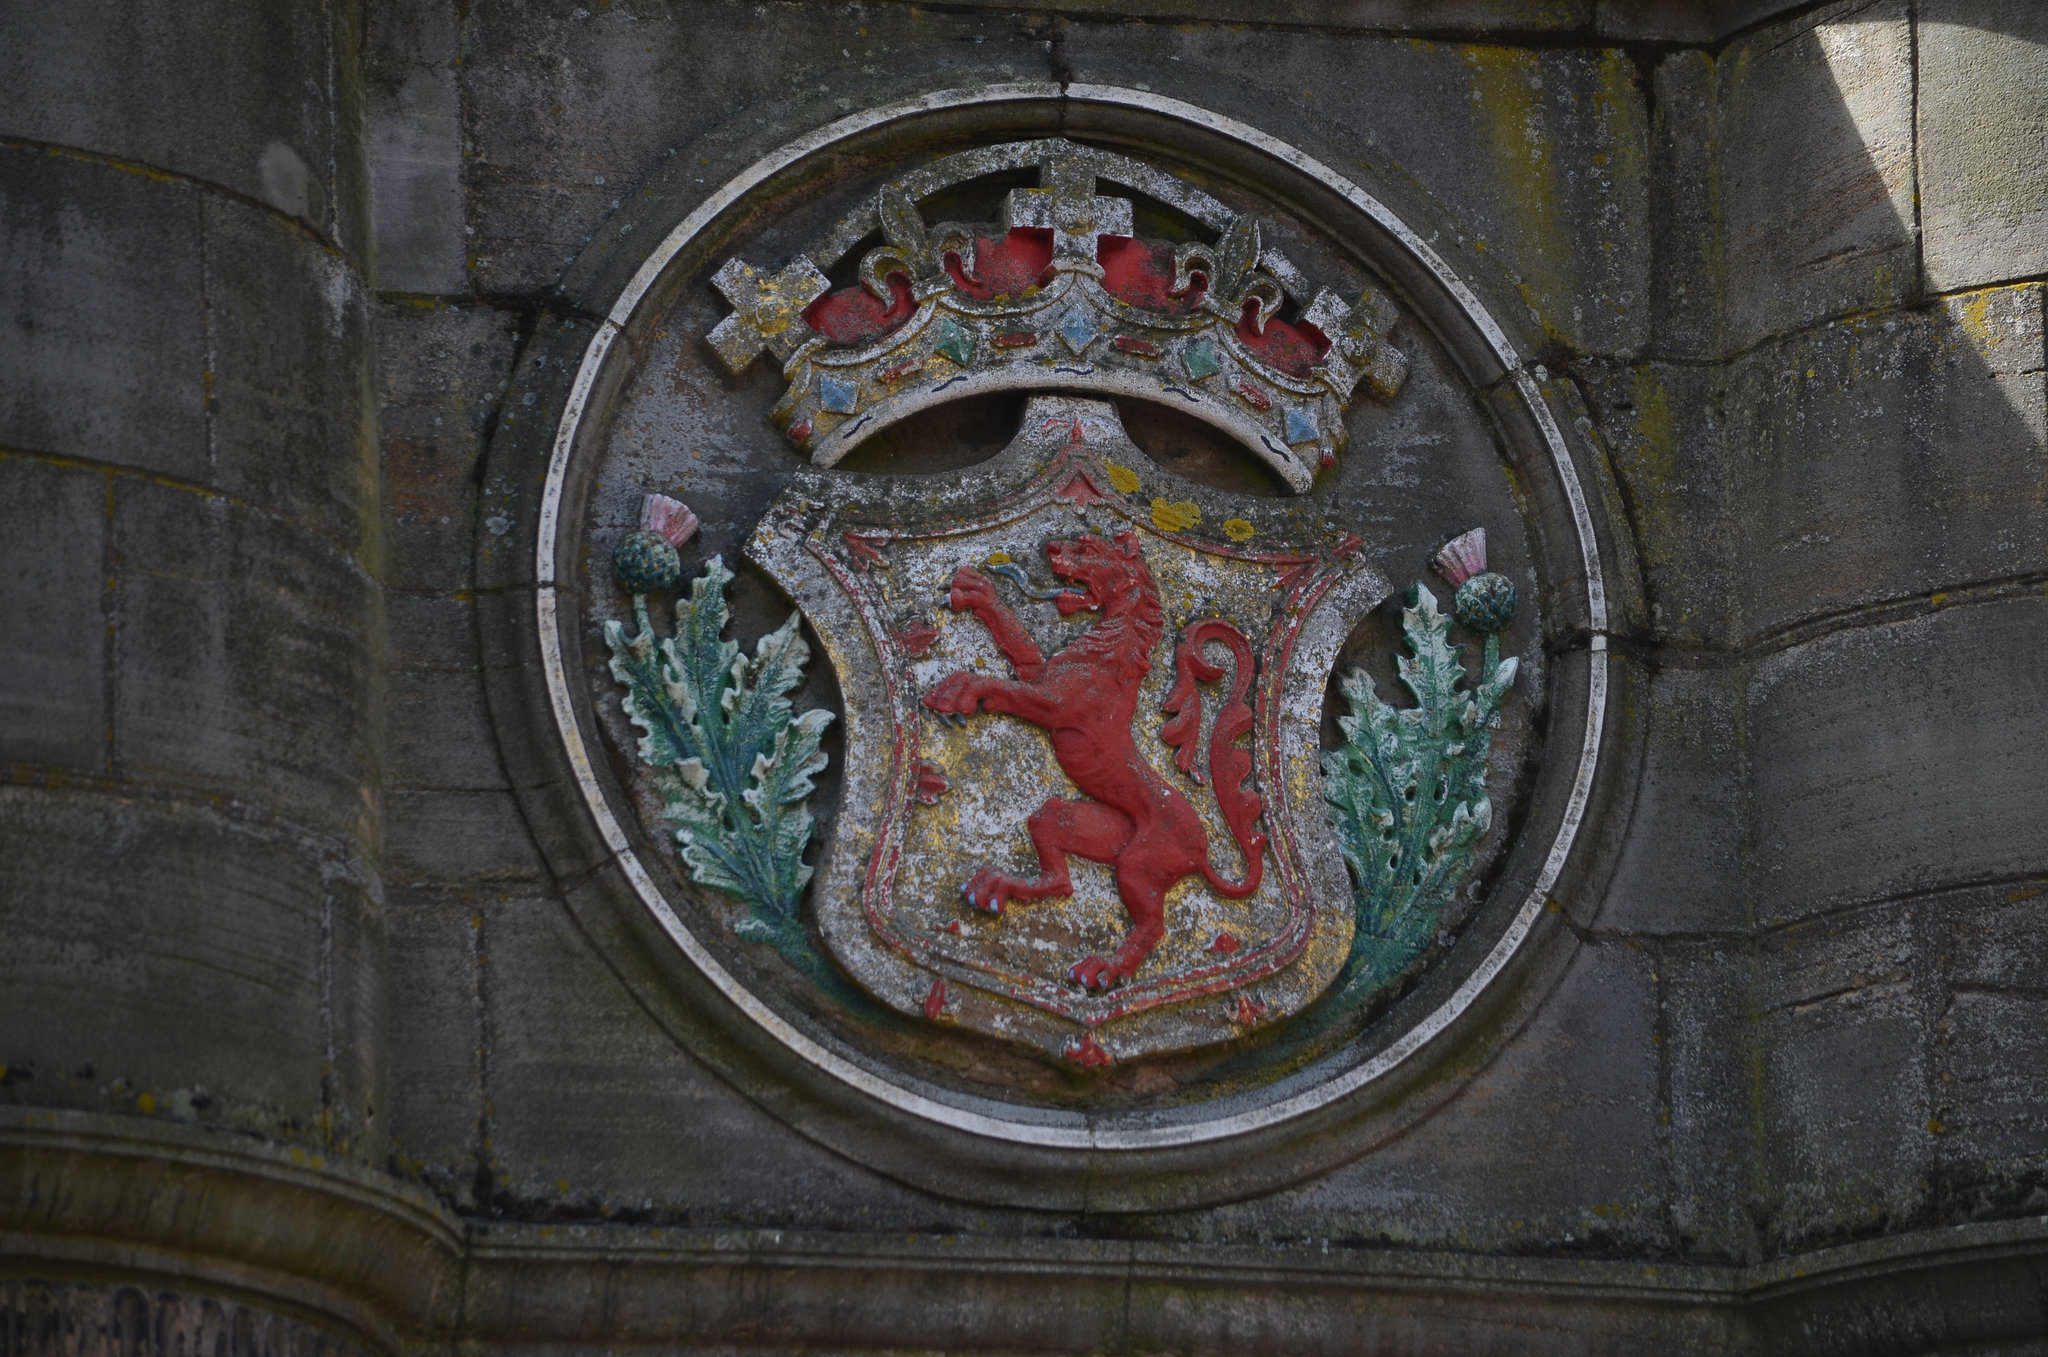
pixel 1061 293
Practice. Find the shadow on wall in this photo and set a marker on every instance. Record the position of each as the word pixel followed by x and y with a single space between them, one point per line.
pixel 1871 441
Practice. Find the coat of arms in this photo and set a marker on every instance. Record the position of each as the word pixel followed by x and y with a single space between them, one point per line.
pixel 1082 782
pixel 1087 802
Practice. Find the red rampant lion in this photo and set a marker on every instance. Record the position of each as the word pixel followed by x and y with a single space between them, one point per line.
pixel 1085 697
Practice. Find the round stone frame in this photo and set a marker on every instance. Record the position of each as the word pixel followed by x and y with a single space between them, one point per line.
pixel 978 1149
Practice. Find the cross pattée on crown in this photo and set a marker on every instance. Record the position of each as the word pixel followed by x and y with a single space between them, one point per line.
pixel 767 311
pixel 1067 205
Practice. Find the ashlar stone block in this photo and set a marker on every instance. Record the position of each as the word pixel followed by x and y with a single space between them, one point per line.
pixel 438 1059
pixel 597 1111
pixel 162 959
pixel 123 82
pixel 1889 456
pixel 1682 868
pixel 1844 1034
pixel 1900 757
pixel 1817 223
pixel 1983 141
pixel 1577 1091
pixel 244 654
pixel 1991 1093
pixel 53 678
pixel 418 208
pixel 293 406
pixel 104 345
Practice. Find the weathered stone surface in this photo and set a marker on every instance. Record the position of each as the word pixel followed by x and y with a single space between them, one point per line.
pixel 438 1057
pixel 165 958
pixel 1707 1039
pixel 1821 223
pixel 1899 757
pixel 151 87
pixel 1663 427
pixel 596 1113
pixel 53 677
pixel 1685 280
pixel 242 646
pixel 1566 1087
pixel 1888 457
pixel 1536 161
pixel 1990 947
pixel 457 836
pixel 1846 1136
pixel 572 110
pixel 414 145
pixel 106 349
pixel 1983 85
pixel 1683 868
pixel 441 372
pixel 440 732
pixel 288 330
pixel 198 921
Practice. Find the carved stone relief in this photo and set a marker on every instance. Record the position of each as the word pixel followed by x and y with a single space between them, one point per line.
pixel 1018 780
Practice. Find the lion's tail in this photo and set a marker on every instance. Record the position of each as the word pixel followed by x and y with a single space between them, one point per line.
pixel 1230 768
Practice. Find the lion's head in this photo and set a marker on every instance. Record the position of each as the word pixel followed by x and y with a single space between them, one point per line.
pixel 1111 573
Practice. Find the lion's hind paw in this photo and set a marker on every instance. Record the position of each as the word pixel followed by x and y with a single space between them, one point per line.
pixel 988 892
pixel 1099 973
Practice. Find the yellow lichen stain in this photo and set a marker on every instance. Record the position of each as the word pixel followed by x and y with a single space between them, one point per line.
pixel 1237 530
pixel 1506 96
pixel 147 1102
pixel 999 558
pixel 1122 477
pixel 1173 516
pixel 2024 893
pixel 1937 599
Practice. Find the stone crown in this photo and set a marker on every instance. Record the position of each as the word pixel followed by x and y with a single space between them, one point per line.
pixel 1061 293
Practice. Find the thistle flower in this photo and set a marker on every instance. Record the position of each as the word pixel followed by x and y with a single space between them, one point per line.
pixel 1485 601
pixel 647 561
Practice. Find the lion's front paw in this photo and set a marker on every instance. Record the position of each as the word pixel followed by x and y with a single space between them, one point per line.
pixel 972 591
pixel 953 695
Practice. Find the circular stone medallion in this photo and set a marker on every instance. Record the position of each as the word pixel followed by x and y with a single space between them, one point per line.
pixel 995 593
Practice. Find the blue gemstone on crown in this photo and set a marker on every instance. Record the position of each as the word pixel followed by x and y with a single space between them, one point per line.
pixel 838 395
pixel 1078 330
pixel 1302 426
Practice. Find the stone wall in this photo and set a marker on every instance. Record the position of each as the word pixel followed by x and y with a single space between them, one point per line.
pixel 295 1014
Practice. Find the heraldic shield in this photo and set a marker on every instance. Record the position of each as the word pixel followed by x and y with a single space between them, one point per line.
pixel 1083 804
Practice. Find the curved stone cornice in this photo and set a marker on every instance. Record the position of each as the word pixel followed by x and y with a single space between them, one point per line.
pixel 123 1200
pixel 84 1193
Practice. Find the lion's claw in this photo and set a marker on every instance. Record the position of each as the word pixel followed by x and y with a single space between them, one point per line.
pixel 1098 973
pixel 989 890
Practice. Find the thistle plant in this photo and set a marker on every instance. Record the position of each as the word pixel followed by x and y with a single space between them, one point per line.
pixel 734 762
pixel 1408 788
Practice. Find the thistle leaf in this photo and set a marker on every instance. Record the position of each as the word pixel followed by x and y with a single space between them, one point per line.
pixel 1407 790
pixel 736 765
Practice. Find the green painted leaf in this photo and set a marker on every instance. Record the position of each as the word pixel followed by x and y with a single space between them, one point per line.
pixel 1407 790
pixel 735 763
